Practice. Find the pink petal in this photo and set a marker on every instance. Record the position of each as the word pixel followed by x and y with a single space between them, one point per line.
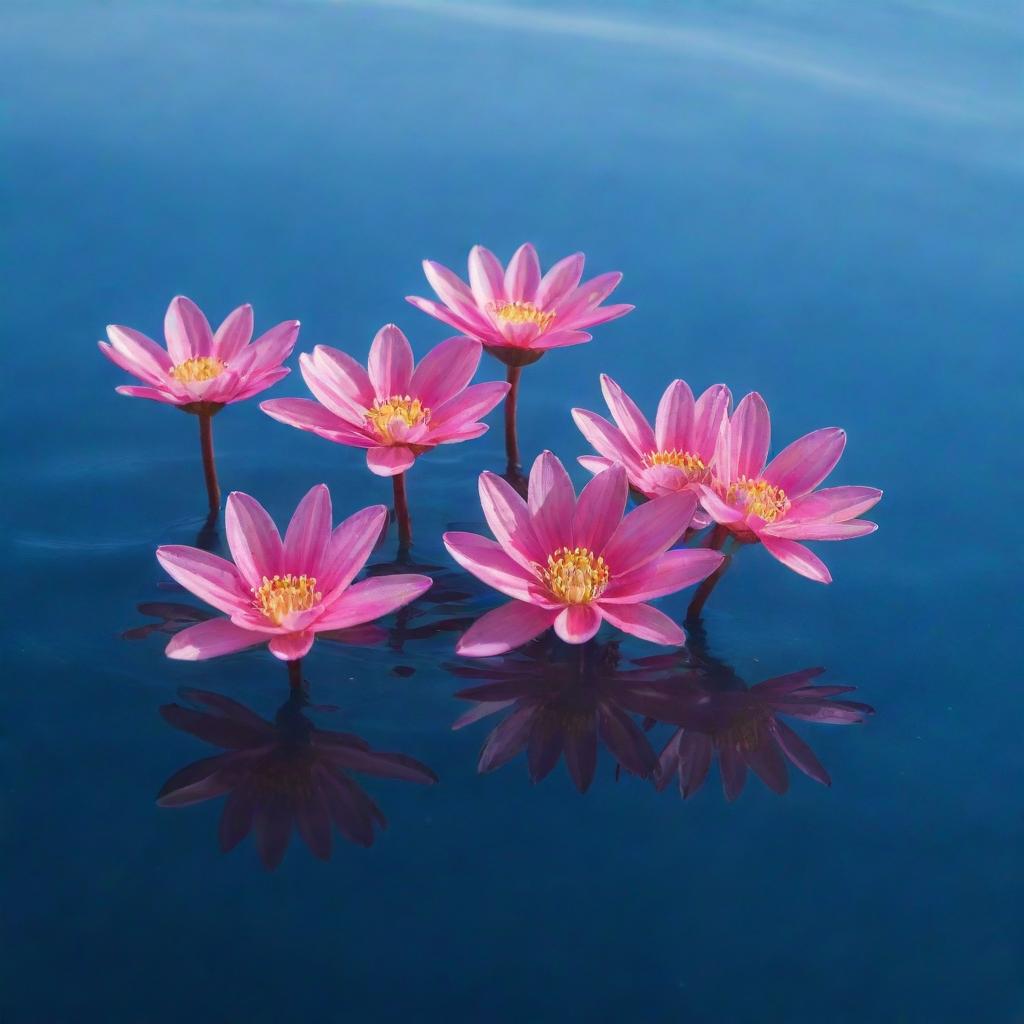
pixel 559 281
pixel 649 530
pixel 208 576
pixel 796 557
pixel 834 504
pixel 453 435
pixel 559 339
pixel 390 363
pixel 504 629
pixel 269 350
pixel 253 539
pixel 594 463
pixel 486 560
pixel 210 639
pixel 351 544
pixel 151 393
pixel 338 381
pixel 608 440
pixel 523 274
pixel 587 296
pixel 674 570
pixel 602 315
pixel 509 519
pixel 645 622
pixel 255 386
pixel 794 747
pixel 674 422
pixel 372 598
pixel 445 371
pixel 811 529
pixel 389 460
pixel 750 434
pixel 801 466
pixel 452 291
pixel 486 276
pixel 309 533
pixel 460 323
pixel 578 623
pixel 313 417
pixel 599 509
pixel 187 332
pixel 233 334
pixel 718 509
pixel 552 503
pixel 471 404
pixel 629 418
pixel 710 413
pixel 140 355
pixel 291 646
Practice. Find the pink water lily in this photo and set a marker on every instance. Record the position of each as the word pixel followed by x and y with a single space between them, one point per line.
pixel 517 313
pixel 393 409
pixel 674 455
pixel 777 504
pixel 199 365
pixel 285 592
pixel 573 564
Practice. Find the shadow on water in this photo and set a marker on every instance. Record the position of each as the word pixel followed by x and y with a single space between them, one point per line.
pixel 281 775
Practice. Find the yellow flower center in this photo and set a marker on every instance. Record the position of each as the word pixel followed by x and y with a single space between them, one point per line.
pixel 408 410
pixel 522 313
pixel 759 498
pixel 198 369
pixel 575 575
pixel 693 466
pixel 281 596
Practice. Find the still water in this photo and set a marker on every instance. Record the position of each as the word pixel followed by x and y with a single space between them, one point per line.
pixel 819 201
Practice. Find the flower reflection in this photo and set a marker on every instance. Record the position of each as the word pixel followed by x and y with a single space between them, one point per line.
pixel 563 703
pixel 281 775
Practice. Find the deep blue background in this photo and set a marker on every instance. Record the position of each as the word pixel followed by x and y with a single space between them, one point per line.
pixel 819 200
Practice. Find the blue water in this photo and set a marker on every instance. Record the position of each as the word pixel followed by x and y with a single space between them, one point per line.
pixel 820 201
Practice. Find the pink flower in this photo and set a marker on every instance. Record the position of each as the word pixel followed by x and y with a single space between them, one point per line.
pixel 392 409
pixel 571 564
pixel 200 365
pixel 777 504
pixel 674 456
pixel 516 313
pixel 284 592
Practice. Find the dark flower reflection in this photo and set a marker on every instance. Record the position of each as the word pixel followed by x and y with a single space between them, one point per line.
pixel 565 702
pixel 281 774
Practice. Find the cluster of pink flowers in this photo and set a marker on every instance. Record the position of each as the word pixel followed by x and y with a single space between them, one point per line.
pixel 567 562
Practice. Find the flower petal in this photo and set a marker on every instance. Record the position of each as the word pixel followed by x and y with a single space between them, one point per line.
pixel 673 424
pixel 233 334
pixel 649 530
pixel 211 639
pixel 153 394
pixel 486 276
pixel 315 418
pixel 672 571
pixel 710 413
pixel 486 560
pixel 552 502
pixel 309 533
pixel 607 440
pixel 815 530
pixel 559 281
pixel 372 598
pixel 390 362
pixel 718 509
pixel 350 546
pixel 599 509
pixel 578 623
pixel 645 622
pixel 253 539
pixel 470 405
pixel 629 418
pixel 445 371
pixel 389 460
pixel 523 274
pixel 445 315
pixel 505 628
pixel 796 557
pixel 509 519
pixel 594 463
pixel 750 433
pixel 139 355
pixel 187 332
pixel 452 291
pixel 291 646
pixel 208 576
pixel 801 466
pixel 834 504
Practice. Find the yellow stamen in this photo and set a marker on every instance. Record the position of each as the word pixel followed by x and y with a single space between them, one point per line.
pixel 279 597
pixel 575 575
pixel 408 410
pixel 759 498
pixel 522 313
pixel 198 369
pixel 693 466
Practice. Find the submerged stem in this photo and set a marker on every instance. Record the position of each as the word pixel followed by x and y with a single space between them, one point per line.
pixel 402 512
pixel 209 466
pixel 511 436
pixel 295 674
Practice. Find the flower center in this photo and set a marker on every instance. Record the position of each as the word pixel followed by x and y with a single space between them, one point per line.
pixel 575 575
pixel 759 497
pixel 404 408
pixel 198 369
pixel 742 735
pixel 692 466
pixel 522 313
pixel 279 597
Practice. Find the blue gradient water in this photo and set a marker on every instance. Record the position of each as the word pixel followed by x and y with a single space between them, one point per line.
pixel 822 201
